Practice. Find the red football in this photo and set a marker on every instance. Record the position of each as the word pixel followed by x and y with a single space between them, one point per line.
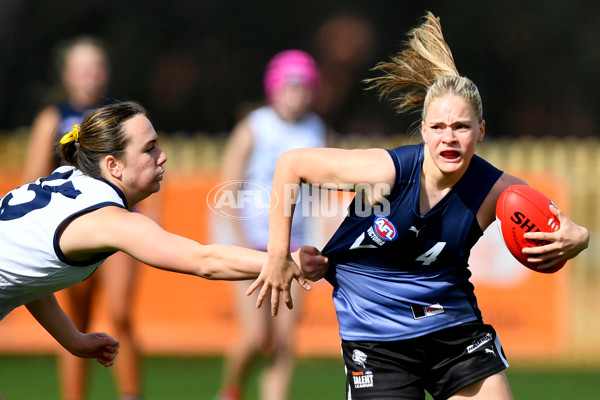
pixel 522 209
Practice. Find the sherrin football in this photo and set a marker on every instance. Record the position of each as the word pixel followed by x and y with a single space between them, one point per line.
pixel 522 209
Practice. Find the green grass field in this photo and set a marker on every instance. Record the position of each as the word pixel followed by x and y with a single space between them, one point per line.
pixel 174 378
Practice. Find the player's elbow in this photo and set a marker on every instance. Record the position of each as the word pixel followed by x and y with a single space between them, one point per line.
pixel 208 266
pixel 207 270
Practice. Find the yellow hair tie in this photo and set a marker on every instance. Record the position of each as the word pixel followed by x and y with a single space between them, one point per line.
pixel 71 136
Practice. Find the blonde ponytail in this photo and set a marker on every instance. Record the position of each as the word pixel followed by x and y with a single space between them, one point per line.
pixel 422 71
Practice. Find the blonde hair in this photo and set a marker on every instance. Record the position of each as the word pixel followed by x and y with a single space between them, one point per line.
pixel 423 71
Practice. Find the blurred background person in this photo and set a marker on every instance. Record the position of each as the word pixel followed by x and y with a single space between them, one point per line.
pixel 83 65
pixel 291 84
pixel 345 46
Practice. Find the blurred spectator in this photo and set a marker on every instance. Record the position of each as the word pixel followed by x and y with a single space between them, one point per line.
pixel 291 84
pixel 192 87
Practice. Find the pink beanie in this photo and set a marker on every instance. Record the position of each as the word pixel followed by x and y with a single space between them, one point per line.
pixel 289 66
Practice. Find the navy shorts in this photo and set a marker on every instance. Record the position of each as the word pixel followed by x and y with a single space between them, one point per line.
pixel 441 363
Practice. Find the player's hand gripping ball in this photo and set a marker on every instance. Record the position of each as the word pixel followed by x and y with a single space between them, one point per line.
pixel 522 209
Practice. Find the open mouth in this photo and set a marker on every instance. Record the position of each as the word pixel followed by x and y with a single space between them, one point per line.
pixel 450 154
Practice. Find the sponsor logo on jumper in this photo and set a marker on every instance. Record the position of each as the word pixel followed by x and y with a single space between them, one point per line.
pixel 479 343
pixel 359 358
pixel 415 230
pixel 374 237
pixel 362 379
pixel 385 229
pixel 427 311
pixel 490 351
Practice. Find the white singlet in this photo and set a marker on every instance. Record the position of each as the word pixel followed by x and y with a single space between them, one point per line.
pixel 271 137
pixel 32 264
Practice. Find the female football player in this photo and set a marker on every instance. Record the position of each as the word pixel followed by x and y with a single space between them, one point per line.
pixel 407 312
pixel 83 65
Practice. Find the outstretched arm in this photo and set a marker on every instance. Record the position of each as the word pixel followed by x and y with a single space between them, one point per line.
pixel 50 315
pixel 113 228
pixel 566 243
